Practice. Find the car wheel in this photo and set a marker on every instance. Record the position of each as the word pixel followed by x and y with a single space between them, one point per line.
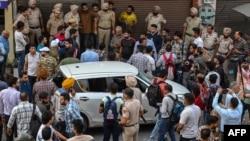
pixel 85 123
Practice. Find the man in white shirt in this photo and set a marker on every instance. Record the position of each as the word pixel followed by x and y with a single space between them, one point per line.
pixel 30 64
pixel 189 119
pixel 196 34
pixel 20 45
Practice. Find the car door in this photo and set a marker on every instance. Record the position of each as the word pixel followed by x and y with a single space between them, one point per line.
pixel 120 80
pixel 90 93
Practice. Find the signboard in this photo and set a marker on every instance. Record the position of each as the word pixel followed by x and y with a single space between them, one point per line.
pixel 3 4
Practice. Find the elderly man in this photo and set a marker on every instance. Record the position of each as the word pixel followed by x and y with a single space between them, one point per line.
pixel 225 46
pixel 154 18
pixel 4 40
pixel 73 13
pixel 115 42
pixel 35 20
pixel 191 22
pixel 106 24
pixel 209 40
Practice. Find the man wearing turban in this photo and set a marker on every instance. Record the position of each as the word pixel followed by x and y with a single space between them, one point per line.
pixel 35 20
pixel 73 13
pixel 192 21
pixel 155 18
pixel 57 6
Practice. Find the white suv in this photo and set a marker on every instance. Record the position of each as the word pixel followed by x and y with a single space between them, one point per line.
pixel 92 82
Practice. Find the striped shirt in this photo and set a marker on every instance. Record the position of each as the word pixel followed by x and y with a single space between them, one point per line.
pixel 22 114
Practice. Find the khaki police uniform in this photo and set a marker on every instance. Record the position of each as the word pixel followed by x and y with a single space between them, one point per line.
pixel 131 110
pixel 34 16
pixel 105 20
pixel 225 45
pixel 53 24
pixel 26 29
pixel 190 24
pixel 70 15
pixel 209 42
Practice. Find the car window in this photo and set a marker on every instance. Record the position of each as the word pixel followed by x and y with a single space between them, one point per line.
pixel 93 85
pixel 120 81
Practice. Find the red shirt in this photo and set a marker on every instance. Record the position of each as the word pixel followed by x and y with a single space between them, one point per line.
pixel 162 85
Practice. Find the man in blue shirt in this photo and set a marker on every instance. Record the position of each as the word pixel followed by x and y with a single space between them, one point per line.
pixel 4 40
pixel 90 55
pixel 229 116
pixel 145 42
pixel 24 85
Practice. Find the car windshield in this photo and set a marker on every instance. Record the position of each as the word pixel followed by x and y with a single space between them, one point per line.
pixel 144 77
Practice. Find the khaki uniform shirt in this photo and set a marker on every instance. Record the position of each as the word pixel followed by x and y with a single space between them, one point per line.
pixel 151 19
pixel 33 17
pixel 54 24
pixel 70 15
pixel 49 63
pixel 225 45
pixel 26 29
pixel 191 23
pixel 209 40
pixel 131 110
pixel 105 19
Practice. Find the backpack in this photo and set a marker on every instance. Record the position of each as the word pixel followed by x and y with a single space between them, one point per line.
pixel 169 66
pixel 110 110
pixel 177 109
pixel 154 94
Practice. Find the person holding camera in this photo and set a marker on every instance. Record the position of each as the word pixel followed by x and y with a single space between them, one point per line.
pixel 230 115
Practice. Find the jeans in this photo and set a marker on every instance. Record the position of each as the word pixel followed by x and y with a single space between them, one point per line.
pixel 14 129
pixel 156 128
pixel 166 125
pixel 111 128
pixel 20 55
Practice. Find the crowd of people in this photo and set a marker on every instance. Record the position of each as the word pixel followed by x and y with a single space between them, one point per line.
pixel 207 64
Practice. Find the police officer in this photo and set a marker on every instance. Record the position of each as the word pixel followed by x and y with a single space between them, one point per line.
pixel 53 23
pixel 106 23
pixel 191 22
pixel 131 112
pixel 35 20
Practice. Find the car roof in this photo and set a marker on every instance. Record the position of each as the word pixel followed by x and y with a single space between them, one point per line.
pixel 81 70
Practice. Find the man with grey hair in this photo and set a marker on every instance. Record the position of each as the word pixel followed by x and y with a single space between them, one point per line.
pixel 224 47
pixel 115 42
pixel 192 21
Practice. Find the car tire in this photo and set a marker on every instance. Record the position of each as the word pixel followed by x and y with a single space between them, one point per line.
pixel 85 123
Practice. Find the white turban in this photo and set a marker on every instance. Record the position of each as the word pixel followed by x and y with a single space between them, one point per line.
pixel 31 2
pixel 74 7
pixel 58 5
pixel 54 43
pixel 157 8
pixel 105 6
pixel 194 10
